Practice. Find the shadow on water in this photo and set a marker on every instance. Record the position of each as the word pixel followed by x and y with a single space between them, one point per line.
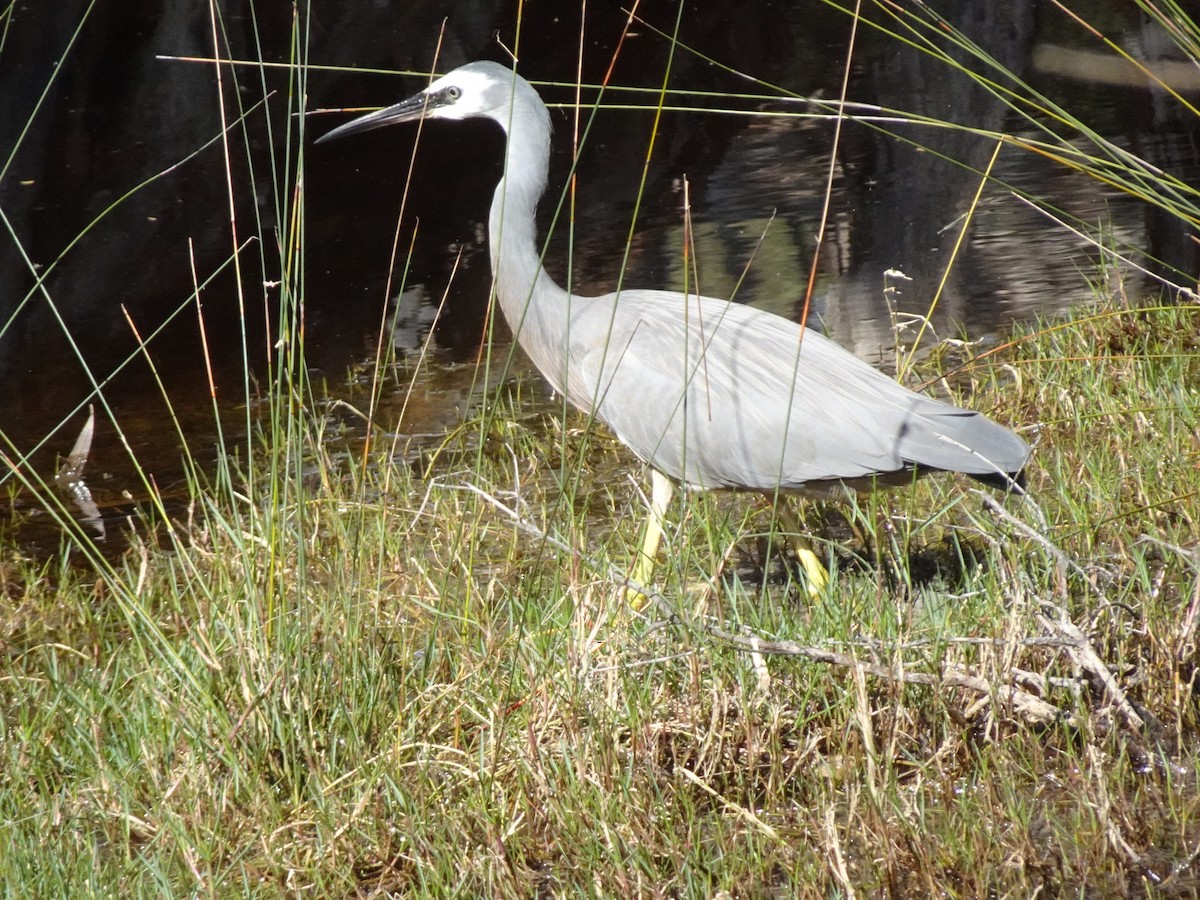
pixel 115 114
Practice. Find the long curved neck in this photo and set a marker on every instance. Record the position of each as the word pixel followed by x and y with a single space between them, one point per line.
pixel 535 307
pixel 513 241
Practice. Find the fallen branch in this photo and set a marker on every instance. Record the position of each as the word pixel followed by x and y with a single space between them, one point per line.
pixel 1031 707
pixel 1085 656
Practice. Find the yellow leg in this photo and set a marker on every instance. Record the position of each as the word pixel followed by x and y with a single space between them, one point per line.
pixel 661 491
pixel 815 573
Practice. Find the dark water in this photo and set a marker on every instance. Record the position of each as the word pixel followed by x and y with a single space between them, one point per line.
pixel 115 115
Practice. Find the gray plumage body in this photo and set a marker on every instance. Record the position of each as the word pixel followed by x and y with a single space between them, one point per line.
pixel 710 393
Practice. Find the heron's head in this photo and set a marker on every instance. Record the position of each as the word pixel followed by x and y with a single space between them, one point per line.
pixel 478 89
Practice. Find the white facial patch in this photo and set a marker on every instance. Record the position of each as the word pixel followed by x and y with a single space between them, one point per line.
pixel 482 95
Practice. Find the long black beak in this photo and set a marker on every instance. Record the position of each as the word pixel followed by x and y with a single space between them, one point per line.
pixel 405 111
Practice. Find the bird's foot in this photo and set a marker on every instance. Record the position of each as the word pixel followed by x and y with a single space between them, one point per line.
pixel 636 599
pixel 816 576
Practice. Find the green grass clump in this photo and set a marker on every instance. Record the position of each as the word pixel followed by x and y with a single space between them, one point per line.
pixel 414 672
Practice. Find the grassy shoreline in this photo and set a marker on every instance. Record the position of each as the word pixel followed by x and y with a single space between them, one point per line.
pixel 418 675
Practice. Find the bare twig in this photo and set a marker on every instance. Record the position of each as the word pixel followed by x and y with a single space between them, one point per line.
pixel 740 811
pixel 1060 557
pixel 1034 709
pixel 1085 656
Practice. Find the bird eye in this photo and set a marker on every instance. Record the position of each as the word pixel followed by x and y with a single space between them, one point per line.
pixel 453 92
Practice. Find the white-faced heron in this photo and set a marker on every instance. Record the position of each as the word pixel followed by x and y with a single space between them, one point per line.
pixel 709 393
